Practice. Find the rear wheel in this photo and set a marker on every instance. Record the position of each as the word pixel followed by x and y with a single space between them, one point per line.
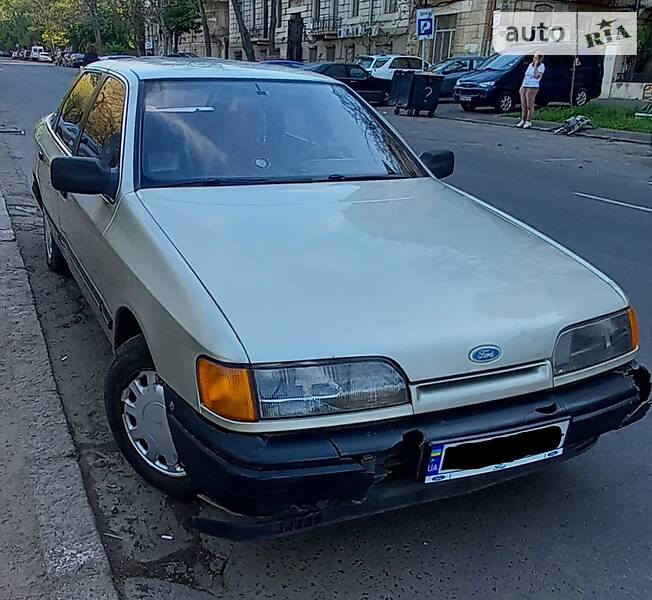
pixel 135 409
pixel 468 106
pixel 505 102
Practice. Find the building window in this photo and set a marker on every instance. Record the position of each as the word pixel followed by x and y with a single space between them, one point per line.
pixel 330 53
pixel 334 9
pixel 279 14
pixel 316 9
pixel 444 37
pixel 389 6
pixel 312 54
pixel 253 13
pixel 237 55
pixel 355 8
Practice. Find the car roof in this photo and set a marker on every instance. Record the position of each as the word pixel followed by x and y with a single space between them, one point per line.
pixel 194 68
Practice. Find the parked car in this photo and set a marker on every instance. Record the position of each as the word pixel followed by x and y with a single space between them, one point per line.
pixel 181 55
pixel 74 60
pixel 382 66
pixel 60 58
pixel 45 57
pixel 307 324
pixel 454 68
pixel 369 87
pixel 496 83
pixel 282 62
pixel 35 52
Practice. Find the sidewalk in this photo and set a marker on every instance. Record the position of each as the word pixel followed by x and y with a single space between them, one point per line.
pixel 455 113
pixel 50 545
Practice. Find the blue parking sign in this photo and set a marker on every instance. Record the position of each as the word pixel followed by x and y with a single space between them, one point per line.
pixel 425 23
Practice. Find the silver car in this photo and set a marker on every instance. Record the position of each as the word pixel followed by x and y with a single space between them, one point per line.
pixel 308 325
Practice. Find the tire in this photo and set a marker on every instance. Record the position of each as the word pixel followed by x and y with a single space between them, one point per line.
pixel 129 414
pixel 505 102
pixel 396 110
pixel 580 97
pixel 468 106
pixel 53 257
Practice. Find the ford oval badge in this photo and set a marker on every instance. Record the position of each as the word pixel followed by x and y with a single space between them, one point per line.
pixel 485 354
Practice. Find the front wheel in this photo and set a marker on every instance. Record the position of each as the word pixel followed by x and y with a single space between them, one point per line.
pixel 135 409
pixel 53 257
pixel 505 102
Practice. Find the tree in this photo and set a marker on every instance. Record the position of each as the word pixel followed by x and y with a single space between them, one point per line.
pixel 244 32
pixel 208 50
pixel 272 28
pixel 181 16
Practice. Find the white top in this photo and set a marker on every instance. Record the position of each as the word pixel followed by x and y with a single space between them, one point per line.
pixel 530 81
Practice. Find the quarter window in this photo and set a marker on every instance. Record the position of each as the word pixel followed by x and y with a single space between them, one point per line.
pixel 102 133
pixel 74 107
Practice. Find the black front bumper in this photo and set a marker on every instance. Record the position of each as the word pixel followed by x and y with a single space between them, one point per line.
pixel 274 484
pixel 479 96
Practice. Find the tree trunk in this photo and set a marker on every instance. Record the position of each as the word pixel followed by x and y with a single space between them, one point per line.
pixel 208 50
pixel 272 29
pixel 244 32
pixel 97 32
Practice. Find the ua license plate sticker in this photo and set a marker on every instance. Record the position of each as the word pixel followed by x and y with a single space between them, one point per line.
pixel 465 98
pixel 465 458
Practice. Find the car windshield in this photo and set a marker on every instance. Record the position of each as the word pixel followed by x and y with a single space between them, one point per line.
pixel 440 66
pixel 239 132
pixel 500 62
pixel 365 61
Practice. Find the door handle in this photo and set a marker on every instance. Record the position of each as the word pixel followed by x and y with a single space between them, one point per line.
pixel 40 155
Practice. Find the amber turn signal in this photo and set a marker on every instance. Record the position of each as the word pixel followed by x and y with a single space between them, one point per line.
pixel 633 323
pixel 226 391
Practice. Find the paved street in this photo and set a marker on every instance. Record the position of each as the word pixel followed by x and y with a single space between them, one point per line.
pixel 579 530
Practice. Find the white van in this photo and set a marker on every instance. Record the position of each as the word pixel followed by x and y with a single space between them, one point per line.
pixel 35 52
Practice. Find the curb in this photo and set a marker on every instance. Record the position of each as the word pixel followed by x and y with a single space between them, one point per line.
pixel 600 133
pixel 52 546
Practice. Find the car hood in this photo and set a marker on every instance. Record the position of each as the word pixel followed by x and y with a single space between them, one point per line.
pixel 480 76
pixel 407 269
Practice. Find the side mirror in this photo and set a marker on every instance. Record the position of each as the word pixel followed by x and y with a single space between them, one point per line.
pixel 79 175
pixel 441 164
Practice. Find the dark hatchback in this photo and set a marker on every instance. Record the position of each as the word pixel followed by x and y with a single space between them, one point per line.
pixel 496 83
pixel 370 88
pixel 452 69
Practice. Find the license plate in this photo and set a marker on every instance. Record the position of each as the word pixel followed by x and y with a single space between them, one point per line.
pixel 468 457
pixel 465 98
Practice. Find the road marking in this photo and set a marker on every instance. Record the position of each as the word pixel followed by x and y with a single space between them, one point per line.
pixel 616 202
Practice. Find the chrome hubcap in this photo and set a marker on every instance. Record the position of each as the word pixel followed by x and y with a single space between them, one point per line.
pixel 581 98
pixel 505 103
pixel 146 423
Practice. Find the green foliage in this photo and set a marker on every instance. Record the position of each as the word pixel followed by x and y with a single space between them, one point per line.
pixel 181 16
pixel 609 116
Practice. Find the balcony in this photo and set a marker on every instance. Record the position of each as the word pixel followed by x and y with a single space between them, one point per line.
pixel 258 35
pixel 325 27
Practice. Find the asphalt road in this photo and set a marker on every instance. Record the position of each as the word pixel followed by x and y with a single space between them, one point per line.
pixel 579 530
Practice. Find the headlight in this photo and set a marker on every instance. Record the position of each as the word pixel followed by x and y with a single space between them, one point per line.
pixel 243 394
pixel 487 84
pixel 595 342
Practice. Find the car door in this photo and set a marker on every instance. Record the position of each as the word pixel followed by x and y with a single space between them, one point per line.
pixel 340 72
pixel 452 72
pixel 555 84
pixel 58 137
pixel 86 217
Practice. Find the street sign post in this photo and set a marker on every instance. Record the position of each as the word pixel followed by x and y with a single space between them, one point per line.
pixel 425 23
pixel 425 28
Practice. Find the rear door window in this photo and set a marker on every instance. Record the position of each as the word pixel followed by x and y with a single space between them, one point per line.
pixel 337 71
pixel 74 106
pixel 102 133
pixel 400 63
pixel 414 63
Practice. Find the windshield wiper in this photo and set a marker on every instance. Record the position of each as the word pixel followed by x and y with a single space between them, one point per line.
pixel 340 177
pixel 214 181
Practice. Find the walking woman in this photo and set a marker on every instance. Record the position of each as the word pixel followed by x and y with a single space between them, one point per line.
pixel 529 89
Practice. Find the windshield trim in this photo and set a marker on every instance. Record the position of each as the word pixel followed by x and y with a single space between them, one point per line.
pixel 418 167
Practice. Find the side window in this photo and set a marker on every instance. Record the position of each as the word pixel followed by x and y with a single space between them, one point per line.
pixel 357 73
pixel 337 71
pixel 399 63
pixel 102 133
pixel 74 106
pixel 414 63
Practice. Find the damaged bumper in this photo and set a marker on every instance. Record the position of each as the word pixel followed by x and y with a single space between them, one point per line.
pixel 275 484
